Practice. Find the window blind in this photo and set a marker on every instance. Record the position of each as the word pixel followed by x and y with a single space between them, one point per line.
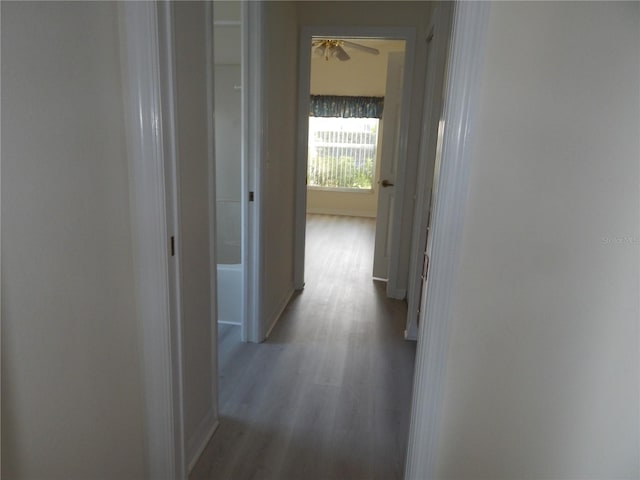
pixel 346 106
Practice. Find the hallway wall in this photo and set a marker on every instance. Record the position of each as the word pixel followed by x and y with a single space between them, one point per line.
pixel 543 371
pixel 71 381
pixel 280 88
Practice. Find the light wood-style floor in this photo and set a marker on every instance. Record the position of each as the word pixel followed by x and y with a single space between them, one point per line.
pixel 327 396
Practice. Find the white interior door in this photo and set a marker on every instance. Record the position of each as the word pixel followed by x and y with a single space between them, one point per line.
pixel 388 163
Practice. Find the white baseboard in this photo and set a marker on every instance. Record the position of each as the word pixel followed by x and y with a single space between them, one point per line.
pixel 227 322
pixel 283 305
pixel 411 335
pixel 339 211
pixel 198 442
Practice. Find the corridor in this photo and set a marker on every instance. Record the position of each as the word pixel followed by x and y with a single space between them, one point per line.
pixel 327 396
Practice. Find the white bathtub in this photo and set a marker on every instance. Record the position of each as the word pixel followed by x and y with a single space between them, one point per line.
pixel 229 293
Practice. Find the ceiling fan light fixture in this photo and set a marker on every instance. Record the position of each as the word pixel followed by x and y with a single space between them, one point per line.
pixel 320 50
pixel 333 48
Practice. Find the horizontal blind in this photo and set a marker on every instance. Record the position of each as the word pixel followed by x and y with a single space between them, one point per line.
pixel 342 152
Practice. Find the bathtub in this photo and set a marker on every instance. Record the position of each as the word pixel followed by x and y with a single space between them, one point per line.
pixel 229 293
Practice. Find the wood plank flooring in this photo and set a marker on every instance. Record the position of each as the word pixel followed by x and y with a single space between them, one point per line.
pixel 327 396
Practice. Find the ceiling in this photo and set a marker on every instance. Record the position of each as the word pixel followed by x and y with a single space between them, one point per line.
pixel 385 46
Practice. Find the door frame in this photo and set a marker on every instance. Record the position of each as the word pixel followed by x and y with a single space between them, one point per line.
pixel 252 121
pixel 149 90
pixel 439 32
pixel 387 168
pixel 148 86
pixel 408 34
pixel 464 74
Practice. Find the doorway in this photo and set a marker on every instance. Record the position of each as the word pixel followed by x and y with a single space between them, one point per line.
pixel 359 75
pixel 227 43
pixel 237 32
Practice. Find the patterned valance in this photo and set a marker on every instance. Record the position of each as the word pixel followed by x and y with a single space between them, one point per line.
pixel 346 107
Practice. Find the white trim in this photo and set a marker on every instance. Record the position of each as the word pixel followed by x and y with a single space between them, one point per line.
pixel 227 23
pixel 369 191
pixel 438 39
pixel 283 305
pixel 1 263
pixel 410 335
pixel 401 33
pixel 466 54
pixel 201 437
pixel 172 186
pixel 252 142
pixel 144 41
pixel 340 212
pixel 213 279
pixel 228 322
pixel 300 198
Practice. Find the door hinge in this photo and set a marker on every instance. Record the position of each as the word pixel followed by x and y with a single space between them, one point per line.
pixel 251 196
pixel 173 246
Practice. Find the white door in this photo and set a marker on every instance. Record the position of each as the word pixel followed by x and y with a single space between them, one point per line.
pixel 388 163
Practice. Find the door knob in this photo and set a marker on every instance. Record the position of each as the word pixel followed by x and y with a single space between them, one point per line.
pixel 386 183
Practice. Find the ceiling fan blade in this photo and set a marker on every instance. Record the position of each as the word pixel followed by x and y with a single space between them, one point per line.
pixel 357 46
pixel 341 54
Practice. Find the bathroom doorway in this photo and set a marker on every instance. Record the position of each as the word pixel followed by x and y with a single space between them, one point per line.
pixel 227 31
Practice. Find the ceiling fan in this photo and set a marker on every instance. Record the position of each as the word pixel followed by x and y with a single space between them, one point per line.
pixel 332 48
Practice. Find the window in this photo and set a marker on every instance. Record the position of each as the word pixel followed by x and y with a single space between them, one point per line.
pixel 342 153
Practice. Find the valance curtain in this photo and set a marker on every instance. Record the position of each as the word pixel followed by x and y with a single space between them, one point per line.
pixel 346 107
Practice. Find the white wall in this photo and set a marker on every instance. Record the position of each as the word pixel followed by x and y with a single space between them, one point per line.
pixel 227 42
pixel 543 372
pixel 228 162
pixel 385 14
pixel 355 204
pixel 363 75
pixel 280 87
pixel 71 386
pixel 198 332
pixel 227 10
